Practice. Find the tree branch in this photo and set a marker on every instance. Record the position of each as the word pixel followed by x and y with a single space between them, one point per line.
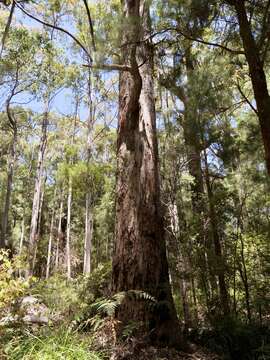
pixel 110 67
pixel 246 99
pixel 179 31
pixel 7 27
pixel 90 23
pixel 54 27
pixel 232 51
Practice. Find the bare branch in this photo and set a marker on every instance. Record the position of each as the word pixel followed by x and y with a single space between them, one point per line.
pixel 179 31
pixel 108 67
pixel 90 23
pixel 54 27
pixel 232 51
pixel 246 99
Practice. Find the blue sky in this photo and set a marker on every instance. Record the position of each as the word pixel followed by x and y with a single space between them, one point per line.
pixel 62 103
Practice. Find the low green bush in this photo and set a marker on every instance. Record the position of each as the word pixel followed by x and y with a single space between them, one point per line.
pixel 59 294
pixel 11 286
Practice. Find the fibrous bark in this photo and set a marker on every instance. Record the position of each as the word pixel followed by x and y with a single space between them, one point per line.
pixel 140 260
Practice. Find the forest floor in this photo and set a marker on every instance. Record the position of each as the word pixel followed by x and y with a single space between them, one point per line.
pixel 129 352
pixel 28 345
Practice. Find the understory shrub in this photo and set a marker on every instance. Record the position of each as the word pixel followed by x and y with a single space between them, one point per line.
pixel 59 294
pixel 235 340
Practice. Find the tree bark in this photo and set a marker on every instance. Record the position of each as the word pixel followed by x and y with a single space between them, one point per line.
pixel 39 220
pixel 177 250
pixel 243 273
pixel 88 198
pixel 59 232
pixel 140 261
pixel 88 235
pixel 69 201
pixel 49 254
pixel 37 193
pixel 257 75
pixel 11 163
pixel 22 236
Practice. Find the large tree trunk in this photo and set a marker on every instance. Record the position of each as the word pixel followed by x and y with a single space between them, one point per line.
pixel 140 260
pixel 257 75
pixel 37 193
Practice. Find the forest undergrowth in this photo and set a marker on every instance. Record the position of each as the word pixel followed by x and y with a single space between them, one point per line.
pixel 82 325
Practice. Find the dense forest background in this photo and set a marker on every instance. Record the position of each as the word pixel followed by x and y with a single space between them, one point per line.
pixel 134 178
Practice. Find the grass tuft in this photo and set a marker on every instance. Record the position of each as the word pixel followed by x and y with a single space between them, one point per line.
pixel 61 344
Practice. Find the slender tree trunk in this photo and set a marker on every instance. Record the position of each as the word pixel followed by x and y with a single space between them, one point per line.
pixel 39 221
pixel 49 254
pixel 22 236
pixel 11 163
pixel 217 244
pixel 37 193
pixel 178 249
pixel 41 208
pixel 184 290
pixel 88 198
pixel 244 277
pixel 21 242
pixel 194 296
pixel 257 74
pixel 140 260
pixel 180 230
pixel 234 276
pixel 88 236
pixel 193 144
pixel 59 232
pixel 69 201
pixel 193 147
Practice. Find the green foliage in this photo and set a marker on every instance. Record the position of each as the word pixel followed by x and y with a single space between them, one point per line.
pixel 60 295
pixel 130 329
pixel 11 286
pixel 94 315
pixel 236 340
pixel 108 306
pixel 50 345
pixel 97 283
